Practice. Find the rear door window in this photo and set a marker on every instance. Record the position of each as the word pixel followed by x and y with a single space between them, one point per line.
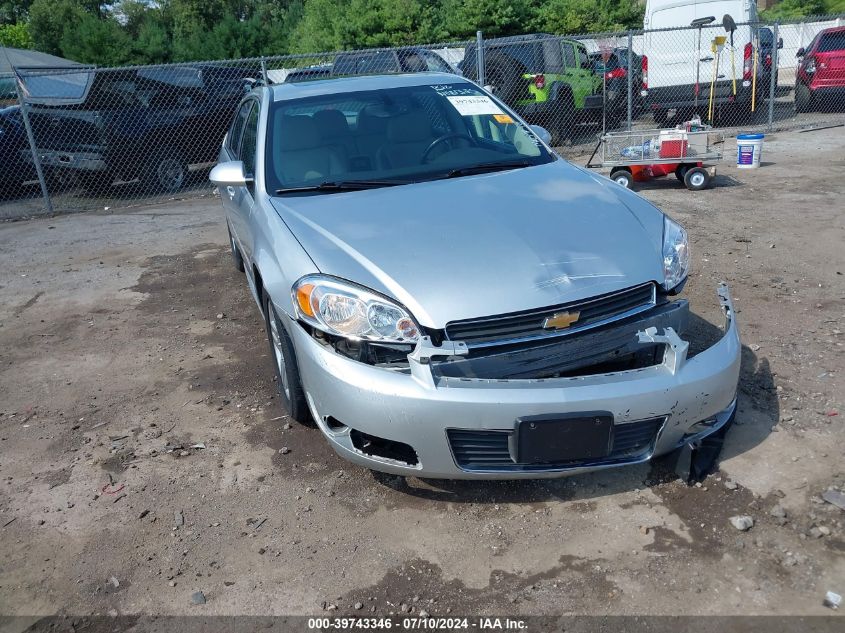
pixel 233 139
pixel 568 54
pixel 435 63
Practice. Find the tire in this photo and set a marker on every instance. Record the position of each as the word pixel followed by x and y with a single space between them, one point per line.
pixel 283 356
pixel 237 258
pixel 165 172
pixel 803 99
pixel 681 171
pixel 622 176
pixel 697 178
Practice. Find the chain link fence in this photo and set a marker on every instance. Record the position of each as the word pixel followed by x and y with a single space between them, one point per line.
pixel 85 138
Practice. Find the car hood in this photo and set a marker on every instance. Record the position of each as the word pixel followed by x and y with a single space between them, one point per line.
pixel 483 245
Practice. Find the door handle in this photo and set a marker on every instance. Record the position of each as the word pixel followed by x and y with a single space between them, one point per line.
pixel 231 191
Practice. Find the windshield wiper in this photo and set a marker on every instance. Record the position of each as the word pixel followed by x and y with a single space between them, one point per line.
pixel 343 185
pixel 487 167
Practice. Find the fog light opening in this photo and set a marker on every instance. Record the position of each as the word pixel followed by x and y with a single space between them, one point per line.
pixel 383 449
pixel 333 423
pixel 700 427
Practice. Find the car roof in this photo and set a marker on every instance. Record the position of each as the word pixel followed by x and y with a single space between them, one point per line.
pixel 317 87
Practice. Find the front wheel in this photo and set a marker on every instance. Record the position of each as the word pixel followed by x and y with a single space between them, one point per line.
pixel 697 178
pixel 284 361
pixel 165 172
pixel 622 176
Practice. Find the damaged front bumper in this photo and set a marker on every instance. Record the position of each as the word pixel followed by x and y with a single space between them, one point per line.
pixel 420 422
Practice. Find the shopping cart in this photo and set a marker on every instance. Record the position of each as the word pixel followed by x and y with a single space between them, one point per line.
pixel 640 155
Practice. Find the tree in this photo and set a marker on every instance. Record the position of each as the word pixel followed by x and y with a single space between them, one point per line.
pixel 97 41
pixel 319 28
pixel 48 20
pixel 575 17
pixel 462 18
pixel 15 35
pixel 13 11
pixel 152 44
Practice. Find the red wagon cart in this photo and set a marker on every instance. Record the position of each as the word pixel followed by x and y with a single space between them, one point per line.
pixel 640 155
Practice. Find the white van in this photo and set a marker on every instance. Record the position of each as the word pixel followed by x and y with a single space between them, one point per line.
pixel 671 58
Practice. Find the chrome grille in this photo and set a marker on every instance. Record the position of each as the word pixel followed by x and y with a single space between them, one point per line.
pixel 488 450
pixel 528 325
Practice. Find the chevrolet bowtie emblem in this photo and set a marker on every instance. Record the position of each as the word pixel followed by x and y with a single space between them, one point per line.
pixel 561 320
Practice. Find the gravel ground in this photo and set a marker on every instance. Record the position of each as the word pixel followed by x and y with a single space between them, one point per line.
pixel 144 455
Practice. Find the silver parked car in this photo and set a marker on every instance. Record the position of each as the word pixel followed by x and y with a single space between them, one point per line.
pixel 447 298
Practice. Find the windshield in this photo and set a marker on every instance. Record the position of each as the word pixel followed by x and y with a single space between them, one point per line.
pixel 393 136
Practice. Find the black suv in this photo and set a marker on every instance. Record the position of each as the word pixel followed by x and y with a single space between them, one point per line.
pixel 548 79
pixel 613 65
pixel 408 59
pixel 147 123
pixel 13 148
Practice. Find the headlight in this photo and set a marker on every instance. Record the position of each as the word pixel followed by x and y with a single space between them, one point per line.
pixel 347 310
pixel 676 264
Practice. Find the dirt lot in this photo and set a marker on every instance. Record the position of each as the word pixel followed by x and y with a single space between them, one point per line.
pixel 128 339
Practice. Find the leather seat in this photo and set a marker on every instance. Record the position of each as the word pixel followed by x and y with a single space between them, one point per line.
pixel 334 130
pixel 408 136
pixel 370 135
pixel 301 154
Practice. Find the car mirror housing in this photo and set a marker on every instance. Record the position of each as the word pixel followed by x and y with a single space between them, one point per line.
pixel 229 174
pixel 780 42
pixel 800 52
pixel 542 133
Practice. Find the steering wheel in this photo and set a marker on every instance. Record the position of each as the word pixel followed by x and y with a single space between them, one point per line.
pixel 446 138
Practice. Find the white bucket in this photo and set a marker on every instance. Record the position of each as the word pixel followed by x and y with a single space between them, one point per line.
pixel 749 148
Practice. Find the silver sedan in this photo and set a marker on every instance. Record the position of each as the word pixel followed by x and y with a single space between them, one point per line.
pixel 445 297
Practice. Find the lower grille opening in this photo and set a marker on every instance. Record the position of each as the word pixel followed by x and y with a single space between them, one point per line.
pixel 489 450
pixel 383 448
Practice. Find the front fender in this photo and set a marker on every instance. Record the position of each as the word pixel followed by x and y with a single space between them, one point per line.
pixel 278 258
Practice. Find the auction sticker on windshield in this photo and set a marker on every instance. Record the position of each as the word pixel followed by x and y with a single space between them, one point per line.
pixel 476 104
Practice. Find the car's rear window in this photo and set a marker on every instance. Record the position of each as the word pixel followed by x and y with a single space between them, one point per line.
pixel 832 42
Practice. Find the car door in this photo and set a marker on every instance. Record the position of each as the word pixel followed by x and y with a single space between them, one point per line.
pixel 575 74
pixel 232 151
pixel 244 198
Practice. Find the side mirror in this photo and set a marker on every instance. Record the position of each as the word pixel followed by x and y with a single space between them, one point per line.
pixel 780 43
pixel 229 174
pixel 800 52
pixel 542 133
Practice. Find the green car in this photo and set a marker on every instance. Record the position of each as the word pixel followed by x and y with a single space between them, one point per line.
pixel 547 79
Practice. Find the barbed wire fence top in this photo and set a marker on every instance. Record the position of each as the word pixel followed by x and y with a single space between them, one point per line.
pixel 80 138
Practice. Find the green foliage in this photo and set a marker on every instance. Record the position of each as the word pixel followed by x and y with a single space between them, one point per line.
pixel 48 20
pixel 97 41
pixel 15 35
pixel 495 18
pixel 589 16
pixel 159 31
pixel 13 11
pixel 788 9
